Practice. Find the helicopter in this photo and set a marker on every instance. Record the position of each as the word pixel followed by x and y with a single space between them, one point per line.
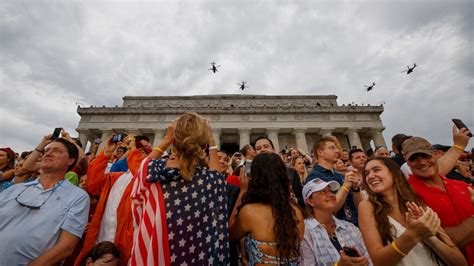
pixel 369 88
pixel 409 70
pixel 243 85
pixel 214 67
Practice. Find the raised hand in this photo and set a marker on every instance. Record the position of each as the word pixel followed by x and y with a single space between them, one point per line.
pixel 44 141
pixel 109 146
pixel 351 178
pixel 244 180
pixel 460 136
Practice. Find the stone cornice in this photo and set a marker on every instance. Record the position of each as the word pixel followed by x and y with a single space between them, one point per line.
pixel 228 110
pixel 230 97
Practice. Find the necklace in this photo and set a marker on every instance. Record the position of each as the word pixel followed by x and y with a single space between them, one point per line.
pixel 331 231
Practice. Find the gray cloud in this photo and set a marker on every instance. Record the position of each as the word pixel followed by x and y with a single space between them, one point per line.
pixel 56 54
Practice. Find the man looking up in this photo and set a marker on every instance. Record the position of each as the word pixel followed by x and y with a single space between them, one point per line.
pixel 42 221
pixel 265 145
pixel 327 152
pixel 450 199
pixel 357 159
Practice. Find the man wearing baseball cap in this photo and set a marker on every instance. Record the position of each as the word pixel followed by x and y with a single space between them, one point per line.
pixel 327 239
pixel 450 199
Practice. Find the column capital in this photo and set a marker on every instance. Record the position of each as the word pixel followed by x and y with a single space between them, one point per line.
pixel 155 131
pixel 377 130
pixel 216 130
pixel 299 130
pixel 352 130
pixel 326 132
pixel 272 130
pixel 133 131
pixel 244 130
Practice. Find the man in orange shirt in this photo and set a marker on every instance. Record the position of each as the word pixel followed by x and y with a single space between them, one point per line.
pixel 112 220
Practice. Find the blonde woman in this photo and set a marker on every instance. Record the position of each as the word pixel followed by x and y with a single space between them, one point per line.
pixel 300 167
pixel 180 205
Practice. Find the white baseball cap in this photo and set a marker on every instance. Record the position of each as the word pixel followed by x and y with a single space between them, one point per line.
pixel 316 185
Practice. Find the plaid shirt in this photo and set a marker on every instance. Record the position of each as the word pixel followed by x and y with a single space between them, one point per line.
pixel 317 249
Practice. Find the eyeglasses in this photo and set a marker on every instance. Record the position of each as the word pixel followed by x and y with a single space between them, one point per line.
pixel 29 206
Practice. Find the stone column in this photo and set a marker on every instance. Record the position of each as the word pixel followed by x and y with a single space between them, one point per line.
pixel 365 143
pixel 326 132
pixel 217 136
pixel 378 138
pixel 105 135
pixel 159 134
pixel 244 136
pixel 272 134
pixel 300 137
pixel 354 139
pixel 83 138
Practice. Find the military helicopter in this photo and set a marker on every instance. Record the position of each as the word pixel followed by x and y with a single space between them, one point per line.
pixel 243 85
pixel 369 88
pixel 214 67
pixel 409 70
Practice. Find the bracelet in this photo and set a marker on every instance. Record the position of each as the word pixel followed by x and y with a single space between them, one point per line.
pixel 158 149
pixel 355 190
pixel 213 147
pixel 335 264
pixel 397 249
pixel 38 150
pixel 345 188
pixel 458 147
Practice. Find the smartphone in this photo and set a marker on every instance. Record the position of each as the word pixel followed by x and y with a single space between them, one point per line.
pixel 56 133
pixel 119 137
pixel 459 124
pixel 350 252
pixel 97 141
pixel 248 166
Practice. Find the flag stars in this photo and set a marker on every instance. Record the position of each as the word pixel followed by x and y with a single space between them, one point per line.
pixel 179 221
pixel 190 227
pixel 201 256
pixel 196 214
pixel 182 242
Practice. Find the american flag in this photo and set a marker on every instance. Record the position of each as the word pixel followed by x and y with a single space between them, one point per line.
pixel 150 239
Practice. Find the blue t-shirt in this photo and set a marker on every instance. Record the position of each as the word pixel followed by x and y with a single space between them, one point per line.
pixel 120 166
pixel 348 212
pixel 27 233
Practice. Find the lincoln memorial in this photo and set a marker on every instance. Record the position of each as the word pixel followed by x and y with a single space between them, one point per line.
pixel 289 121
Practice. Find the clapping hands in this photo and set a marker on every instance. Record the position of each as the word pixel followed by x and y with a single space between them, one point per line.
pixel 424 222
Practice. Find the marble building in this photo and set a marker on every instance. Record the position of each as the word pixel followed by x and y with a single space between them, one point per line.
pixel 289 121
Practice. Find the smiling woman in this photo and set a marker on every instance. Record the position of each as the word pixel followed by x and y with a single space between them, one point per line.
pixel 396 225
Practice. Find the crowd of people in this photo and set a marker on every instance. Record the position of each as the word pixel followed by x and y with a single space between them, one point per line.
pixel 185 202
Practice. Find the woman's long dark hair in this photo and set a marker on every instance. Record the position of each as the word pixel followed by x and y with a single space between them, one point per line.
pixel 382 208
pixel 269 184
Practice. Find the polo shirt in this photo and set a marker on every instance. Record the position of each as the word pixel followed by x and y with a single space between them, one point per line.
pixel 26 233
pixel 348 211
pixel 452 206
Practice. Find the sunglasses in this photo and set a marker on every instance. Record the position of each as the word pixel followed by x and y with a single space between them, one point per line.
pixel 17 199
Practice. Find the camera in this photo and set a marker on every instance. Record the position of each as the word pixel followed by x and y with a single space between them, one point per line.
pixel 119 137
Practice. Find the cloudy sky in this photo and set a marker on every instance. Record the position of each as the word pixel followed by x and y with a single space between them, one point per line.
pixel 55 55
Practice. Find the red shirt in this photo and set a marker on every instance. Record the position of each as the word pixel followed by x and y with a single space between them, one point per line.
pixel 452 206
pixel 234 180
